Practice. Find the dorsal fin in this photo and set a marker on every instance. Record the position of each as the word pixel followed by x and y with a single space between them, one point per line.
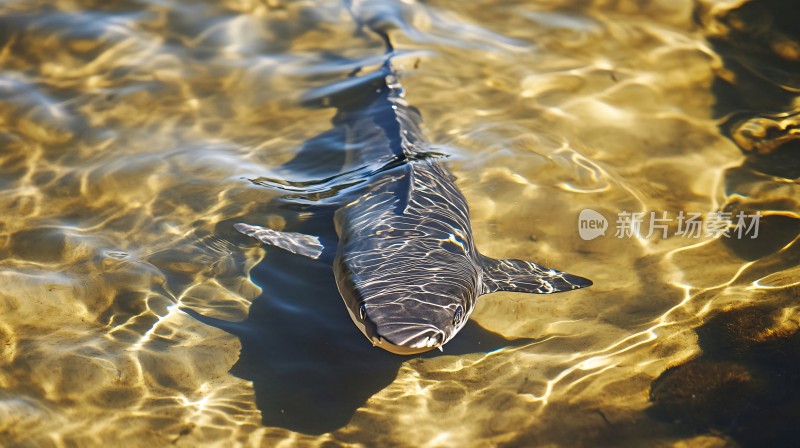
pixel 526 276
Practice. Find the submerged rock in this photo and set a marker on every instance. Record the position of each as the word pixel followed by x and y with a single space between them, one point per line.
pixel 756 90
pixel 745 382
pixel 760 47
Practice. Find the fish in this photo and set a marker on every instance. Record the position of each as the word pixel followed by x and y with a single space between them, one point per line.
pixel 404 257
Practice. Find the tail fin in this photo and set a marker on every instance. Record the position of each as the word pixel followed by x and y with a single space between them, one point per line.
pixel 375 22
pixel 526 276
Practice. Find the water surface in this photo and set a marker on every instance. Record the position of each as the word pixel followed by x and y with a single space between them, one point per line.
pixel 133 136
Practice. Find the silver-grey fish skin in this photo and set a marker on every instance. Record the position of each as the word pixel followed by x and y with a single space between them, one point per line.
pixel 406 258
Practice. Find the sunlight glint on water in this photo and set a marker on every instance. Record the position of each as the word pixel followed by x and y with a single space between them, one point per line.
pixel 130 133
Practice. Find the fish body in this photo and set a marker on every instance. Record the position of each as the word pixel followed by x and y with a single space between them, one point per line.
pixel 405 261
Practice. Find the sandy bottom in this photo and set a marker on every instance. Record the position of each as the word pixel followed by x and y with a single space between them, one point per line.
pixel 129 134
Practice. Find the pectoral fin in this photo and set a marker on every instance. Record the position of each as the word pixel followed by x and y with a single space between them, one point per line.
pixel 296 243
pixel 526 276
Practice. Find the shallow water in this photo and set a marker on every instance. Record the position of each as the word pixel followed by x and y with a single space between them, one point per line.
pixel 132 133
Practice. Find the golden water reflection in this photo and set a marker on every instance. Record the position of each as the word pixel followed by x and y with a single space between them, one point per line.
pixel 129 133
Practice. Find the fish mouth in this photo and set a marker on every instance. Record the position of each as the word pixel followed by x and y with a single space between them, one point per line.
pixel 408 340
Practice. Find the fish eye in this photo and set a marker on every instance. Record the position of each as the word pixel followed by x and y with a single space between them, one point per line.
pixel 362 311
pixel 457 316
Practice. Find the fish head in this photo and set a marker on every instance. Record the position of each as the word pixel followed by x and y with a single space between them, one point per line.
pixel 413 323
pixel 409 319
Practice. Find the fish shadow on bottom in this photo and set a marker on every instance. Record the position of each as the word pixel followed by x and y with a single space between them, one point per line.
pixel 311 368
